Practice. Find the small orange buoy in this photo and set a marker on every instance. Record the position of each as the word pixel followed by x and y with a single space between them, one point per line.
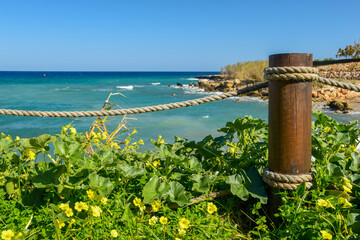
pixel 44 75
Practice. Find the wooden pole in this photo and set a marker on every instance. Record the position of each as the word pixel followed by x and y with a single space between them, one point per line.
pixel 290 113
pixel 290 118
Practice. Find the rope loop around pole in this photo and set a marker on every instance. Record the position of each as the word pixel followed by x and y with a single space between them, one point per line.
pixel 287 181
pixel 291 73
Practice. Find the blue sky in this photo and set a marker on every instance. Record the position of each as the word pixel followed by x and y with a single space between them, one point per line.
pixel 171 35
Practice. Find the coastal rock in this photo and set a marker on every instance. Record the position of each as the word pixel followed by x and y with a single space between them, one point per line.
pixel 179 84
pixel 339 105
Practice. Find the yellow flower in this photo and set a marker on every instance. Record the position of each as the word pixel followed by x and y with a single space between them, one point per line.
pixel 184 223
pixel 156 205
pixel 177 238
pixel 134 132
pixel 114 145
pixel 79 206
pixel 60 223
pixel 72 131
pixel 326 235
pixel 72 221
pixel 156 163
pixel 114 233
pixel 211 208
pixel 344 202
pixel 3 135
pixel 137 201
pixel 103 136
pixel 153 220
pixel 7 235
pixel 17 139
pixel 18 235
pixel 327 129
pixel 163 220
pixel 31 155
pixel 141 142
pixel 182 232
pixel 142 207
pixel 9 137
pixel 69 212
pixel 90 193
pixel 324 203
pixel 160 140
pixel 103 200
pixel 347 185
pixel 64 206
pixel 96 211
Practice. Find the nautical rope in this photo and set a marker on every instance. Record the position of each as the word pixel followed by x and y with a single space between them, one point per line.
pixel 129 111
pixel 334 83
pixel 291 73
pixel 287 181
pixel 304 74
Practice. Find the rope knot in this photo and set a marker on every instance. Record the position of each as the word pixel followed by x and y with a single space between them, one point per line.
pixel 287 181
pixel 291 73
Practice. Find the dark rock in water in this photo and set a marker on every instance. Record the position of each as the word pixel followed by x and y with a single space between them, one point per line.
pixel 191 84
pixel 169 85
pixel 211 77
pixel 173 94
pixel 339 105
pixel 179 84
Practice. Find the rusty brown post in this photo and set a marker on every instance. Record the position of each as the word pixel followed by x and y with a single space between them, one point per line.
pixel 290 119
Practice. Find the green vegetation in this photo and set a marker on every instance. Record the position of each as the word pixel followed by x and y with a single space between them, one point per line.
pixel 350 51
pixel 97 185
pixel 250 70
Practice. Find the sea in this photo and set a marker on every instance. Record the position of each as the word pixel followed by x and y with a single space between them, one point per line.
pixel 81 91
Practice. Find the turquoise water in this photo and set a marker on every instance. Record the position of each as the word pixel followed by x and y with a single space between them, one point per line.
pixel 79 91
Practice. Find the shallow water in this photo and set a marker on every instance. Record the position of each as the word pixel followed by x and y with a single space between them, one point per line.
pixel 79 91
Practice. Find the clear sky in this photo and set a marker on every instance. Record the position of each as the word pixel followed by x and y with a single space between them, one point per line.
pixel 169 35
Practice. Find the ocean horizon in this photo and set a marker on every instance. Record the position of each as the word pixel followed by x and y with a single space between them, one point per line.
pixel 88 90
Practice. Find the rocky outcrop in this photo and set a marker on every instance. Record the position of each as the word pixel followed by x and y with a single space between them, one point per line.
pixel 344 71
pixel 332 93
pixel 211 77
pixel 337 105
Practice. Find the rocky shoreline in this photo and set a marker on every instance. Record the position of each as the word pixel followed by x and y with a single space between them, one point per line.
pixel 340 100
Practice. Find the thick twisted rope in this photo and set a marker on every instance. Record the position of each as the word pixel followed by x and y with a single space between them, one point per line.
pixel 287 181
pixel 334 83
pixel 291 73
pixel 304 74
pixel 129 111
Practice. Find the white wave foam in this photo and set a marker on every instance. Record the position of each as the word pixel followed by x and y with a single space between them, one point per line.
pixel 102 90
pixel 155 83
pixel 130 87
pixel 205 117
pixel 191 79
pixel 139 86
pixel 247 99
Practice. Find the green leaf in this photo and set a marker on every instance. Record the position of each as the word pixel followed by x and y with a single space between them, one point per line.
pixel 101 184
pixel 237 186
pixel 9 187
pixel 49 178
pixel 178 194
pixel 61 149
pixel 334 170
pixel 353 221
pixel 256 185
pixel 355 161
pixel 151 189
pixel 201 183
pixel 131 171
pixel 39 143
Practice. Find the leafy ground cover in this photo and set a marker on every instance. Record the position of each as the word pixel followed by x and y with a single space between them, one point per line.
pixel 98 185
